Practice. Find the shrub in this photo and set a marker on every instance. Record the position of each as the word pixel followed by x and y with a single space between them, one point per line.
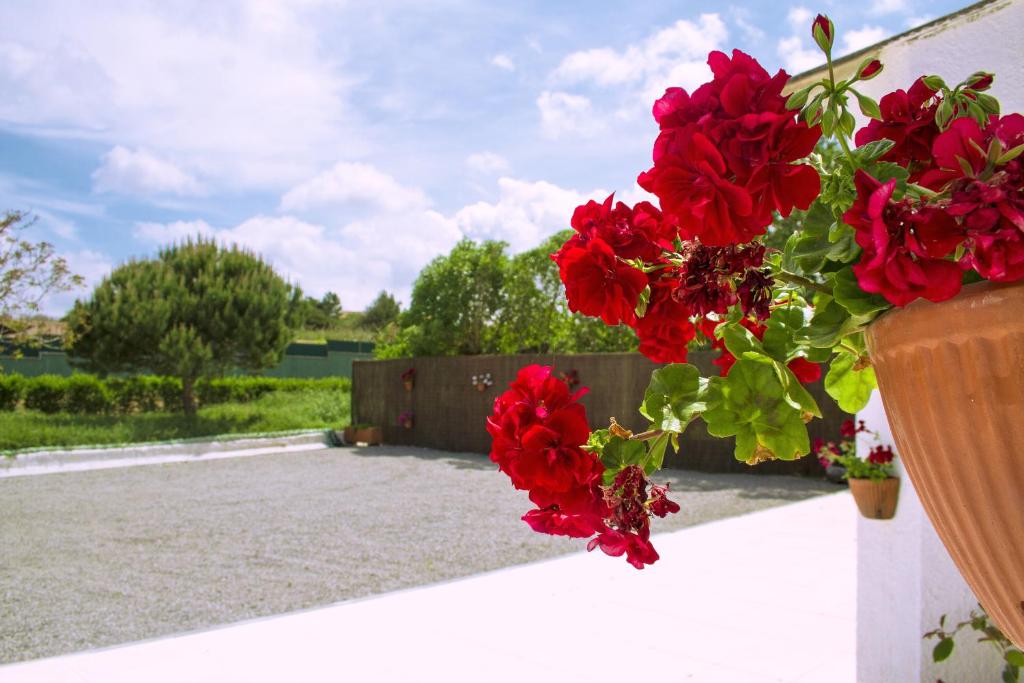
pixel 12 389
pixel 87 395
pixel 46 393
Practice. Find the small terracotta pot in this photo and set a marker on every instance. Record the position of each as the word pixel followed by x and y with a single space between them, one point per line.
pixel 371 436
pixel 407 424
pixel 409 384
pixel 481 387
pixel 876 499
pixel 951 377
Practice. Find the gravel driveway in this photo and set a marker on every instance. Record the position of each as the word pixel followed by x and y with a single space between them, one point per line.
pixel 89 559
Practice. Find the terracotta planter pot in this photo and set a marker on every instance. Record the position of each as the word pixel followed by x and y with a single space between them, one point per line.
pixel 371 436
pixel 409 384
pixel 349 435
pixel 951 377
pixel 481 387
pixel 876 499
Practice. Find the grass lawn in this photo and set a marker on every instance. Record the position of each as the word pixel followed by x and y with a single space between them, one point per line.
pixel 276 412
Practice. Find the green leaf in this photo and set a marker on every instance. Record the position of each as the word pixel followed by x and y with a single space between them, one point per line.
pixel 1011 674
pixel 750 403
pixel 618 453
pixel 868 106
pixel 795 393
pixel 847 123
pixel 943 650
pixel 884 171
pixel 871 151
pixel 739 340
pixel 849 295
pixel 799 98
pixel 1015 657
pixel 642 301
pixel 675 395
pixel 849 387
pixel 827 326
pixel 779 340
pixel 656 453
pixel 988 103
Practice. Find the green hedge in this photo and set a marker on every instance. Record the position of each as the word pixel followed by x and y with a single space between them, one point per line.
pixel 91 395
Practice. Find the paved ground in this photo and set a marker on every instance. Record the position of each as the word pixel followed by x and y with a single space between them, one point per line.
pixel 765 597
pixel 89 559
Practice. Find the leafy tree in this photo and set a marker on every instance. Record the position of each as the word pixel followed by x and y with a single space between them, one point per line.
pixel 477 300
pixel 383 311
pixel 455 301
pixel 28 272
pixel 195 311
pixel 322 314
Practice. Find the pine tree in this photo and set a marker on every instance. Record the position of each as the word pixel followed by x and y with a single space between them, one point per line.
pixel 197 310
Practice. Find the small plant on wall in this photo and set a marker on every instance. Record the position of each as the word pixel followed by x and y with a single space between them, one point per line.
pixel 482 381
pixel 872 479
pixel 407 419
pixel 409 379
pixel 1012 657
pixel 571 377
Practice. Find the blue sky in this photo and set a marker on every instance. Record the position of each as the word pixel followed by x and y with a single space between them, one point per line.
pixel 350 142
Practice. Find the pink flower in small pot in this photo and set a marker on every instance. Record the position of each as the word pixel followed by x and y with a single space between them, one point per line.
pixel 406 419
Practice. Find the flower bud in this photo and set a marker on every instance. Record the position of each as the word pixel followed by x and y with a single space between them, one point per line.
pixel 869 68
pixel 980 81
pixel 823 31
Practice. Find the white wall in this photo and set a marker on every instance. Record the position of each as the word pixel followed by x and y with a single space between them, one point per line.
pixel 905 578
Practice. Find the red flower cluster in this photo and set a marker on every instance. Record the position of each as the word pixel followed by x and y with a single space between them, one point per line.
pixel 804 370
pixel 824 456
pixel 908 119
pixel 881 455
pixel 849 430
pixel 723 158
pixel 906 243
pixel 631 508
pixel 537 432
pixel 592 264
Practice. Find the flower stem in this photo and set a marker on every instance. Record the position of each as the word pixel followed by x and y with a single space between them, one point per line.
pixel 794 279
pixel 647 436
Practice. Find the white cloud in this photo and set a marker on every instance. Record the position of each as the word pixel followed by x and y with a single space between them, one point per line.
pixel 565 114
pixel 353 183
pixel 487 162
pixel 503 62
pixel 862 37
pixel 744 19
pixel 177 231
pixel 798 53
pixel 237 92
pixel 139 172
pixel 797 57
pixel 384 249
pixel 655 62
pixel 799 18
pixel 524 214
pixel 888 6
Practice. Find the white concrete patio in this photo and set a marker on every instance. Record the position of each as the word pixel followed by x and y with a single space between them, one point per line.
pixel 769 596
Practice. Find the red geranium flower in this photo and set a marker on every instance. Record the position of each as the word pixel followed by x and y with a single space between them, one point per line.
pixel 632 232
pixel 908 119
pixel 597 282
pixel 881 455
pixel 901 242
pixel 665 330
pixel 723 159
